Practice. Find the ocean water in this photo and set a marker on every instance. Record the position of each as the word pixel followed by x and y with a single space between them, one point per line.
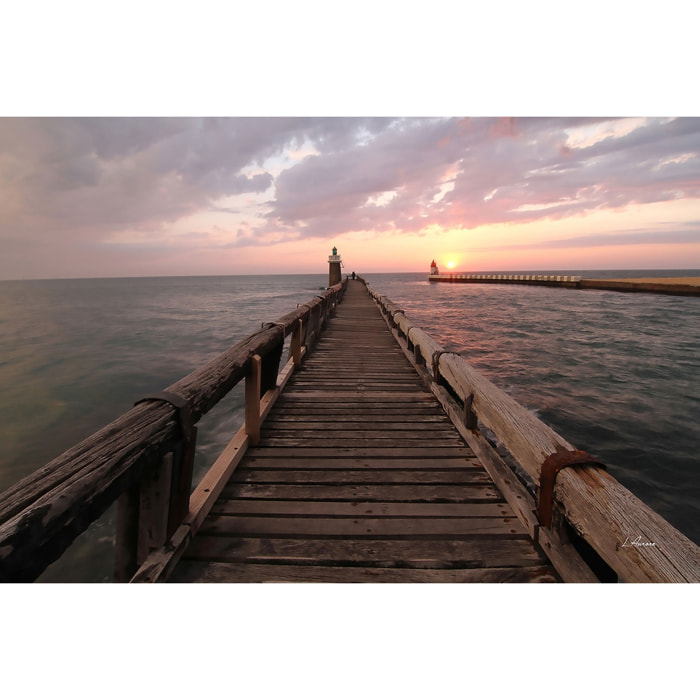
pixel 615 374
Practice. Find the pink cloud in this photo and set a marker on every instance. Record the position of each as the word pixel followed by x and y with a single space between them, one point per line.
pixel 81 182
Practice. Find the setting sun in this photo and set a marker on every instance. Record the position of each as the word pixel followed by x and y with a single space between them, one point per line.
pixel 451 264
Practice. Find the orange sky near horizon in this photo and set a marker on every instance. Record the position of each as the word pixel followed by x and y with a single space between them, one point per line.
pixel 104 197
pixel 486 248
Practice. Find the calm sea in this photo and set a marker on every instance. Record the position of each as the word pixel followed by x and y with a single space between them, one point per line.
pixel 616 374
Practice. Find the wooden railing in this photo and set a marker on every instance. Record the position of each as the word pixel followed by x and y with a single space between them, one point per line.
pixel 143 459
pixel 589 505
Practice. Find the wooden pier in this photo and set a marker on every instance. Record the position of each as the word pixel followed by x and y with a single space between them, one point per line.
pixel 369 453
pixel 360 476
pixel 674 286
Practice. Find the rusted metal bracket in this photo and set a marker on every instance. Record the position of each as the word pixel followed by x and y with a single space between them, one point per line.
pixel 182 406
pixel 548 474
pixel 274 324
pixel 435 361
pixel 418 356
pixel 470 419
pixel 183 461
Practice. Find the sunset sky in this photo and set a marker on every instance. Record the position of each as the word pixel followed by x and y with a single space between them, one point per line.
pixel 100 175
pixel 84 197
pixel 105 172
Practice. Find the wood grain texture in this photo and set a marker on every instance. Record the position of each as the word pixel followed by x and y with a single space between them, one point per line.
pixel 637 543
pixel 469 552
pixel 222 572
pixel 42 514
pixel 360 476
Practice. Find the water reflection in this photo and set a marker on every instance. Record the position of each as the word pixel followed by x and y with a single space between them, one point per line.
pixel 616 374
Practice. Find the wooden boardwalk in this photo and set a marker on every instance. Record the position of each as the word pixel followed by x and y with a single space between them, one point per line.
pixel 359 476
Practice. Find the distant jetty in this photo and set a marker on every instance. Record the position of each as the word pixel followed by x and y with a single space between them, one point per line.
pixel 677 286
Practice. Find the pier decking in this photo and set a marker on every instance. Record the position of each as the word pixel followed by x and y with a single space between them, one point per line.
pixel 368 453
pixel 360 476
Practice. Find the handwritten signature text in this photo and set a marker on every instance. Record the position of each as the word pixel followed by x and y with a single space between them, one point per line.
pixel 638 542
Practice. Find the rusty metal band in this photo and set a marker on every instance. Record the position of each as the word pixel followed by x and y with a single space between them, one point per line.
pixel 471 420
pixel 272 324
pixel 435 361
pixel 183 411
pixel 548 474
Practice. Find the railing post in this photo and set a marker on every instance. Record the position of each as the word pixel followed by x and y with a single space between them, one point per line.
pixel 270 368
pixel 154 502
pixel 313 325
pixel 127 535
pixel 469 417
pixel 324 311
pixel 139 486
pixel 317 322
pixel 296 343
pixel 252 400
pixel 183 468
pixel 418 356
pixel 148 513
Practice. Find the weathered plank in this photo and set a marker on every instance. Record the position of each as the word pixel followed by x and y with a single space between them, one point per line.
pixel 358 468
pixel 348 440
pixel 619 527
pixel 475 551
pixel 302 475
pixel 430 434
pixel 41 515
pixel 358 396
pixel 422 493
pixel 357 527
pixel 341 421
pixel 342 463
pixel 223 572
pixel 309 428
pixel 561 552
pixel 355 508
pixel 371 411
pixel 153 508
pixel 368 451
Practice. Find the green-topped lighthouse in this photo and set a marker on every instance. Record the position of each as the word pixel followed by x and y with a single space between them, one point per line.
pixel 334 265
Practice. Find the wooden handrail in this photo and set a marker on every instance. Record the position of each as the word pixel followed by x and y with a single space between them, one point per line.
pixel 42 514
pixel 634 541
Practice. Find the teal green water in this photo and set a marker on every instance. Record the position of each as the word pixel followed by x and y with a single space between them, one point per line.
pixel 616 374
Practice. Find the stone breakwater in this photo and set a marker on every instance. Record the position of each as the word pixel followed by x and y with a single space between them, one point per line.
pixel 678 286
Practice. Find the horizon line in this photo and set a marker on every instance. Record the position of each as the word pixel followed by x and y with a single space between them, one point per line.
pixel 388 272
